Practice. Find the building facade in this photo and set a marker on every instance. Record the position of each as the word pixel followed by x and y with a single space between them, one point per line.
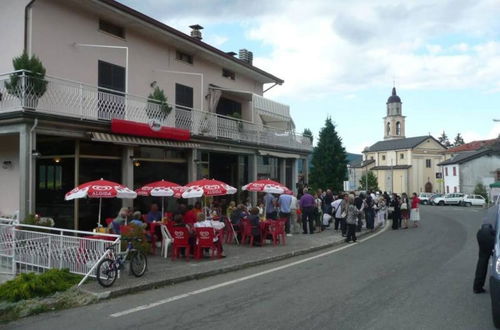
pixel 401 164
pixel 97 117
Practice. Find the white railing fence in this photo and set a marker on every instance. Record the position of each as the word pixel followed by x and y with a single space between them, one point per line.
pixel 84 101
pixel 26 248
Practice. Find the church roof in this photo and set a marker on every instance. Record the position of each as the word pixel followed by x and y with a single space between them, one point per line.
pixel 387 168
pixel 394 98
pixel 398 144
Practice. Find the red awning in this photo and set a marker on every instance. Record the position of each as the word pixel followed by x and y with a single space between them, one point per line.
pixel 127 127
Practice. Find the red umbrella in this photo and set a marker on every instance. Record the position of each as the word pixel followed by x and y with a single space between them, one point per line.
pixel 100 189
pixel 267 186
pixel 206 187
pixel 161 189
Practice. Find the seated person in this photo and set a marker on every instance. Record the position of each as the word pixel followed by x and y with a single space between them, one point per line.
pixel 179 222
pixel 190 216
pixel 217 225
pixel 255 222
pixel 238 215
pixel 137 220
pixel 120 220
pixel 230 209
pixel 154 214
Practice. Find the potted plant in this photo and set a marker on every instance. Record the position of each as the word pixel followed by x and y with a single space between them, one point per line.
pixel 237 116
pixel 308 134
pixel 28 85
pixel 204 124
pixel 158 100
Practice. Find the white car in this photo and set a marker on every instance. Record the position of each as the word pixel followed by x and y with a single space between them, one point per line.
pixel 476 200
pixel 424 198
pixel 449 199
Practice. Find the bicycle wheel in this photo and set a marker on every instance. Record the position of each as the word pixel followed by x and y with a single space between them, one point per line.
pixel 106 272
pixel 138 264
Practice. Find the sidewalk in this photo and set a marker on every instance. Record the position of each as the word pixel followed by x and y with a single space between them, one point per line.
pixel 163 271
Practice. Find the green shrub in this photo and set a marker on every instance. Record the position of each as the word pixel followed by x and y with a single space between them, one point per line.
pixel 136 232
pixel 37 84
pixel 480 189
pixel 31 285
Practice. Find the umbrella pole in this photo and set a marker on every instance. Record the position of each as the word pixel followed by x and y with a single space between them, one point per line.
pixel 162 208
pixel 99 221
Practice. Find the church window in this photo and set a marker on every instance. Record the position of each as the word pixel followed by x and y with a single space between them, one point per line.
pixel 428 163
pixel 398 128
pixel 402 156
pixel 388 129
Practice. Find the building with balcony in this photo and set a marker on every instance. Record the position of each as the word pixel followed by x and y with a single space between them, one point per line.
pixel 96 118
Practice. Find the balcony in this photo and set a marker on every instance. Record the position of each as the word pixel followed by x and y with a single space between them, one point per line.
pixel 87 102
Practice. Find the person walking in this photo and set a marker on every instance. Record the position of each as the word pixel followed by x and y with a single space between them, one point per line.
pixel 486 241
pixel 351 219
pixel 396 213
pixel 340 211
pixel 360 205
pixel 405 212
pixel 369 212
pixel 381 211
pixel 307 205
pixel 294 225
pixel 285 203
pixel 415 214
pixel 318 213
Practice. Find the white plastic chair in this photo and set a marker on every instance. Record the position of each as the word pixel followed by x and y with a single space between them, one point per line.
pixel 166 240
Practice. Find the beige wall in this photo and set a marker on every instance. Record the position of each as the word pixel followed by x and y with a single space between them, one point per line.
pixel 9 178
pixel 11 31
pixel 57 26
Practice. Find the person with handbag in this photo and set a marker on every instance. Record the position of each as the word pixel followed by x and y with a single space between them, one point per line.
pixel 396 213
pixel 351 219
pixel 415 214
pixel 405 215
pixel 369 212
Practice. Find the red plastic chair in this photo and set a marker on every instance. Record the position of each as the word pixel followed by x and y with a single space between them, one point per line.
pixel 277 231
pixel 180 236
pixel 205 240
pixel 247 232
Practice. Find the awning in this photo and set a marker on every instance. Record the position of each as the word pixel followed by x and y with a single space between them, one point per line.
pixel 136 140
pixel 278 154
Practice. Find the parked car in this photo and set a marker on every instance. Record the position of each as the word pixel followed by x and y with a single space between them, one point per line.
pixel 449 199
pixel 424 198
pixel 473 200
pixel 433 197
pixel 495 275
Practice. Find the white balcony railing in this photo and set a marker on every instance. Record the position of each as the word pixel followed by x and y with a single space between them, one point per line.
pixel 88 102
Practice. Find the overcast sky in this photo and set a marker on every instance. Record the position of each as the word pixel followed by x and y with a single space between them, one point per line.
pixel 339 58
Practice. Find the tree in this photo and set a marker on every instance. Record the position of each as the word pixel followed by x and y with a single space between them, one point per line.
pixel 329 164
pixel 307 133
pixel 443 139
pixel 458 140
pixel 480 189
pixel 372 182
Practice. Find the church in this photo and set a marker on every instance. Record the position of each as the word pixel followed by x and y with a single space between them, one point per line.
pixel 400 163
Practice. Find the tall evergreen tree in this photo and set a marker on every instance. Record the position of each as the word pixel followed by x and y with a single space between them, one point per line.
pixel 443 139
pixel 329 164
pixel 458 140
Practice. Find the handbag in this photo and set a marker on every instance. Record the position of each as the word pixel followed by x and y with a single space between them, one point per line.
pixel 404 206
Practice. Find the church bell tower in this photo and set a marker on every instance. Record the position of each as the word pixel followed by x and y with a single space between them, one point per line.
pixel 394 121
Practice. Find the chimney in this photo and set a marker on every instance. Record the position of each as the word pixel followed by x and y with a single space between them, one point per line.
pixel 196 31
pixel 231 53
pixel 246 56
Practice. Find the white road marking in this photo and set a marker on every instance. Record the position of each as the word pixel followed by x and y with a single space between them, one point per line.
pixel 245 278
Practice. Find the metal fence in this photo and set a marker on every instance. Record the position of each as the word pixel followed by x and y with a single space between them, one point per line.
pixel 27 248
pixel 83 101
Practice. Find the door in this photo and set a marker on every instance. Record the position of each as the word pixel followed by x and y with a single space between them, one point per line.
pixel 183 106
pixel 428 187
pixel 111 94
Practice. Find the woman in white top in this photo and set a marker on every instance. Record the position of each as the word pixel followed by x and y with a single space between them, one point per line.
pixel 381 209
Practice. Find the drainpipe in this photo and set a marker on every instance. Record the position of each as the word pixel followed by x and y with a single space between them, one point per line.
pixel 26 29
pixel 30 181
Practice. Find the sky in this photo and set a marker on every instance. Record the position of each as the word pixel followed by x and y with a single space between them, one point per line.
pixel 341 59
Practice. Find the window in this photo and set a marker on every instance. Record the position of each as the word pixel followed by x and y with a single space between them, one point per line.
pixel 50 177
pixel 184 57
pixel 388 129
pixel 402 156
pixel 398 128
pixel 383 157
pixel 446 171
pixel 498 176
pixel 371 157
pixel 184 96
pixel 447 189
pixel 428 163
pixel 112 28
pixel 228 74
pixel 454 171
pixel 455 189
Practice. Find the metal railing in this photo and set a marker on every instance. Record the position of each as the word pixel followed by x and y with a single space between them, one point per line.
pixel 84 101
pixel 35 248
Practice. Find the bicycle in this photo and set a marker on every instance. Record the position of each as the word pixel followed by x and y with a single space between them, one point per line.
pixel 107 269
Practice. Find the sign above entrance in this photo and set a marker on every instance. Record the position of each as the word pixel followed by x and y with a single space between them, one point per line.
pixel 152 129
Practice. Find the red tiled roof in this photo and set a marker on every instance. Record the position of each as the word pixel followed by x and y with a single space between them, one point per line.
pixel 471 146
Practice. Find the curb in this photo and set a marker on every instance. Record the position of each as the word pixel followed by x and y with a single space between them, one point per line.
pixel 171 281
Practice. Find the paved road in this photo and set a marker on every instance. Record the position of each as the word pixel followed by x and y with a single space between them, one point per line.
pixel 407 279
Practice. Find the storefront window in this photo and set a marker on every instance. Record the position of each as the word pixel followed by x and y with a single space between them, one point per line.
pixel 268 168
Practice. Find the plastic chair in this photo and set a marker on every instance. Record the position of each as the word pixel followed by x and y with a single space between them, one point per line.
pixel 180 236
pixel 231 233
pixel 247 232
pixel 277 231
pixel 205 240
pixel 166 240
